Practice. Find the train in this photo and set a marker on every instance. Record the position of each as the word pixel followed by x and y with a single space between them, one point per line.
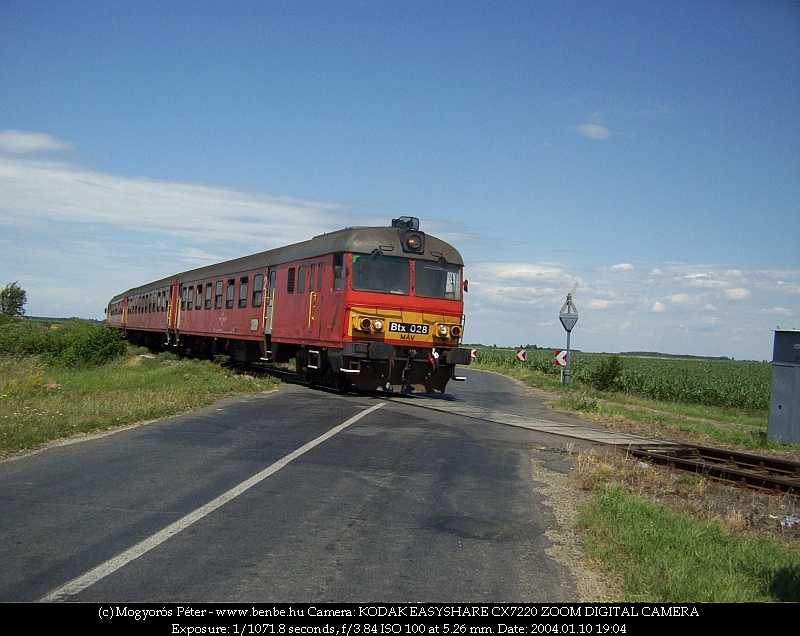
pixel 369 308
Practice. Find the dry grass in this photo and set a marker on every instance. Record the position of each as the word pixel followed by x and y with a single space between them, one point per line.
pixel 739 510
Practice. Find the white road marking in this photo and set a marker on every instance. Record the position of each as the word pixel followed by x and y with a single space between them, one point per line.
pixel 112 565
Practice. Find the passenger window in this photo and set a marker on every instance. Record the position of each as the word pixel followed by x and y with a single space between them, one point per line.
pixel 319 278
pixel 301 279
pixel 258 289
pixel 208 295
pixel 290 282
pixel 199 299
pixel 218 295
pixel 190 298
pixel 243 292
pixel 229 293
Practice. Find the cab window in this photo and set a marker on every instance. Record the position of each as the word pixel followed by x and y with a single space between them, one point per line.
pixel 380 273
pixel 437 280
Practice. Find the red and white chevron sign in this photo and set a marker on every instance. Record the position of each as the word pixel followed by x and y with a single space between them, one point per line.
pixel 522 355
pixel 561 358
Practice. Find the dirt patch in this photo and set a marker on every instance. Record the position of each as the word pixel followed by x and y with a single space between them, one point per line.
pixel 564 498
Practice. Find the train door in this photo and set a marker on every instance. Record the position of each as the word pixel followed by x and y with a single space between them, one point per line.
pixel 182 291
pixel 315 300
pixel 269 309
pixel 312 299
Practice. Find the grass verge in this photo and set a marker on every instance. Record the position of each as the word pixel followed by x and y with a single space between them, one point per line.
pixel 672 537
pixel 671 420
pixel 40 403
pixel 663 555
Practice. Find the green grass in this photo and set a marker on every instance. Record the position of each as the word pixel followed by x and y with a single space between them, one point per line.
pixel 40 403
pixel 662 555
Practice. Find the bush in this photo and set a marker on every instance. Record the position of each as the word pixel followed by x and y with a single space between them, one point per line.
pixel 90 344
pixel 604 377
pixel 76 342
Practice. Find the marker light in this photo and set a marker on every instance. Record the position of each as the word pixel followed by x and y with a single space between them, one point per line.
pixel 455 331
pixel 365 324
pixel 378 325
pixel 443 331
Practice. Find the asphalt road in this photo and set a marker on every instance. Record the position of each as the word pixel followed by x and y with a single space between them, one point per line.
pixel 403 505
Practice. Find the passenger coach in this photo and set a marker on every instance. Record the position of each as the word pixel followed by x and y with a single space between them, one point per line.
pixel 377 307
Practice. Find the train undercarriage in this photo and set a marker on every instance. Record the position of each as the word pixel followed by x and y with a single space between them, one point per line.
pixel 367 367
pixel 364 366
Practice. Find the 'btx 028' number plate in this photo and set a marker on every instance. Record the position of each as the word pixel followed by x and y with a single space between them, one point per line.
pixel 407 327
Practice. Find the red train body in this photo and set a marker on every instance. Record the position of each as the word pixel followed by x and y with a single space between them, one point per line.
pixel 369 307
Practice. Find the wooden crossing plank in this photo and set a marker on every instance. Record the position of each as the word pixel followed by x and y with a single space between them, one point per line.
pixel 585 433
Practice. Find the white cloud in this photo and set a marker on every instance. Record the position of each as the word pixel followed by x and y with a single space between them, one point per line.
pixel 738 293
pixel 38 192
pixel 679 299
pixel 661 311
pixel 63 224
pixel 595 132
pixel 524 271
pixel 21 142
pixel 705 280
pixel 777 311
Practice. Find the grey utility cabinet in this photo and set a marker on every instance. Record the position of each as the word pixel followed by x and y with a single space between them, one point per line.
pixel 784 406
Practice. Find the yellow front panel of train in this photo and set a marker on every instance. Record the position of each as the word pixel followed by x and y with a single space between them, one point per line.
pixel 403 327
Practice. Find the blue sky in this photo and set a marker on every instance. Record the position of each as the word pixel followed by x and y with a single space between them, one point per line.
pixel 649 151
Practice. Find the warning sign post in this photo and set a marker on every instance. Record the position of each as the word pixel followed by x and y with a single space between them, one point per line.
pixel 568 317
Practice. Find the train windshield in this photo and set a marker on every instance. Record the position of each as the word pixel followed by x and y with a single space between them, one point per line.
pixel 437 281
pixel 381 273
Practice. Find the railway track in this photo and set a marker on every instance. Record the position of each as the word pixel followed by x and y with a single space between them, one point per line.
pixel 741 469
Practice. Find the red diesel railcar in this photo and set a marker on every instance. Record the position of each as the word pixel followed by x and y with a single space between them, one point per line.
pixel 377 307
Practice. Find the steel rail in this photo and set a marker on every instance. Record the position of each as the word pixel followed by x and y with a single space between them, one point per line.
pixel 727 468
pixel 760 463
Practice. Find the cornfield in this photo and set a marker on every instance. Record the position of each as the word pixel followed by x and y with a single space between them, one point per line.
pixel 743 385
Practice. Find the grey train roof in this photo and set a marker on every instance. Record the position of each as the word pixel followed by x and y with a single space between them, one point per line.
pixel 357 240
